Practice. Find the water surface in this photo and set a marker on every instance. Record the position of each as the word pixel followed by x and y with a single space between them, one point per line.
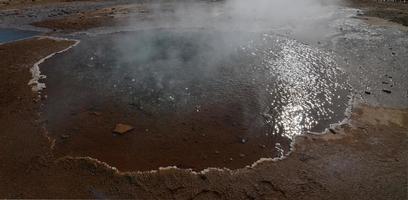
pixel 8 35
pixel 196 98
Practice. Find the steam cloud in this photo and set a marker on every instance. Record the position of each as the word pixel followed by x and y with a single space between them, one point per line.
pixel 231 25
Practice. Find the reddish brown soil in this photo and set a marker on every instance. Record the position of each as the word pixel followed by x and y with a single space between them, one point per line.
pixel 24 147
pixel 210 138
pixel 367 160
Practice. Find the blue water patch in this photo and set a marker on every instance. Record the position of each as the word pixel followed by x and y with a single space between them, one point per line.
pixel 8 35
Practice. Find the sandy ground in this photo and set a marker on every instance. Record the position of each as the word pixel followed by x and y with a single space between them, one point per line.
pixel 365 159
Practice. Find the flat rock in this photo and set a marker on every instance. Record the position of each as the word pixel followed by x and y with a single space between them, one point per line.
pixel 122 128
pixel 387 91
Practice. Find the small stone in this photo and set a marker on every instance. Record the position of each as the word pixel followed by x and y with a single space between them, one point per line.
pixel 241 155
pixel 332 131
pixel 367 92
pixel 65 136
pixel 217 152
pixel 122 128
pixel 96 113
pixel 387 91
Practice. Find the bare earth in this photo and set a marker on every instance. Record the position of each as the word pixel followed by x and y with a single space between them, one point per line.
pixel 364 159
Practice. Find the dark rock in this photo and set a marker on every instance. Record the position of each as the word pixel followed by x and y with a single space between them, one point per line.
pixel 65 136
pixel 387 91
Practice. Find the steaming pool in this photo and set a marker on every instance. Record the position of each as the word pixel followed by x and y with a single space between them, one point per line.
pixel 197 99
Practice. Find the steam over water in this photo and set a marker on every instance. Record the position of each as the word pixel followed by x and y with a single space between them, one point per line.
pixel 262 92
pixel 219 93
pixel 277 82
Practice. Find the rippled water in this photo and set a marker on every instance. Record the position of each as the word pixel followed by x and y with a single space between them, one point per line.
pixel 281 86
pixel 197 98
pixel 200 97
pixel 307 90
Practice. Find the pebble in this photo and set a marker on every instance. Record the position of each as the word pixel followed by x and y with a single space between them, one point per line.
pixel 65 136
pixel 387 91
pixel 122 128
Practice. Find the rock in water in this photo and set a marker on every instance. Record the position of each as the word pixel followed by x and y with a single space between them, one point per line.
pixel 122 128
pixel 387 91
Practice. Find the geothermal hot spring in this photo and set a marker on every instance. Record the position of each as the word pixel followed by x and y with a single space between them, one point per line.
pixel 196 97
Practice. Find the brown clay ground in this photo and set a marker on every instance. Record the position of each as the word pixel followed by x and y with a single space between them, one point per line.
pixel 367 159
pixel 364 160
